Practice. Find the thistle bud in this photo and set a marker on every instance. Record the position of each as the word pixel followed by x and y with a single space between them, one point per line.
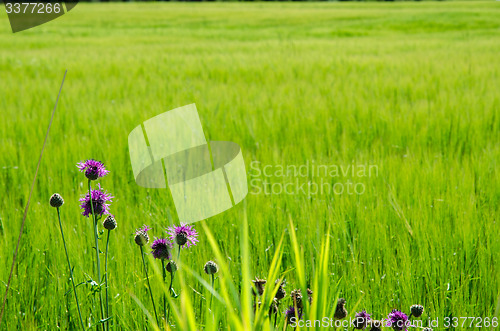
pixel 340 311
pixel 141 235
pixel 376 325
pixel 211 268
pixel 109 223
pixel 56 200
pixel 296 296
pixel 141 238
pixel 181 239
pixel 171 267
pixel 259 285
pixel 416 310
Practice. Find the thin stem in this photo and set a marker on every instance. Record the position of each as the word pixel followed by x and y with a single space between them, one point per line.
pixel 149 286
pixel 98 262
pixel 106 279
pixel 70 270
pixel 170 291
pixel 179 253
pixel 211 294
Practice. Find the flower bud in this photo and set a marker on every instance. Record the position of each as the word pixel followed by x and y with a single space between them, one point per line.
pixel 141 238
pixel 109 223
pixel 56 200
pixel 181 239
pixel 211 268
pixel 416 310
pixel 171 267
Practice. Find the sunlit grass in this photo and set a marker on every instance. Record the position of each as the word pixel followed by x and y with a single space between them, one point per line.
pixel 408 87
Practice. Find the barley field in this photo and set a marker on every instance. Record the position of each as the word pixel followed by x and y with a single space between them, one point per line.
pixel 405 93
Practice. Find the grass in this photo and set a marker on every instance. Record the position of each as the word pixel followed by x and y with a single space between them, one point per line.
pixel 409 87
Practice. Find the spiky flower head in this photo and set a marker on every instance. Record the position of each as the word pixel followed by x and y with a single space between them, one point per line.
pixel 99 202
pixel 109 223
pixel 161 249
pixel 141 235
pixel 211 268
pixel 259 284
pixel 417 310
pixel 281 289
pixel 296 296
pixel 183 235
pixel 171 267
pixel 398 320
pixel 290 313
pixel 340 311
pixel 56 200
pixel 361 320
pixel 93 169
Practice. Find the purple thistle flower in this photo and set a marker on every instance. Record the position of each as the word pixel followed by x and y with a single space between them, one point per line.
pixel 398 320
pixel 290 313
pixel 361 320
pixel 99 199
pixel 93 169
pixel 161 248
pixel 183 235
pixel 144 228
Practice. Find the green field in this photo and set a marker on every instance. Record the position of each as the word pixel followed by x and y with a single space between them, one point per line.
pixel 411 88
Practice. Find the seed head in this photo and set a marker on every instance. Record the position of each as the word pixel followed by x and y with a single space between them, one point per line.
pixel 417 310
pixel 259 285
pixel 211 268
pixel 109 223
pixel 171 267
pixel 281 290
pixel 56 200
pixel 296 296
